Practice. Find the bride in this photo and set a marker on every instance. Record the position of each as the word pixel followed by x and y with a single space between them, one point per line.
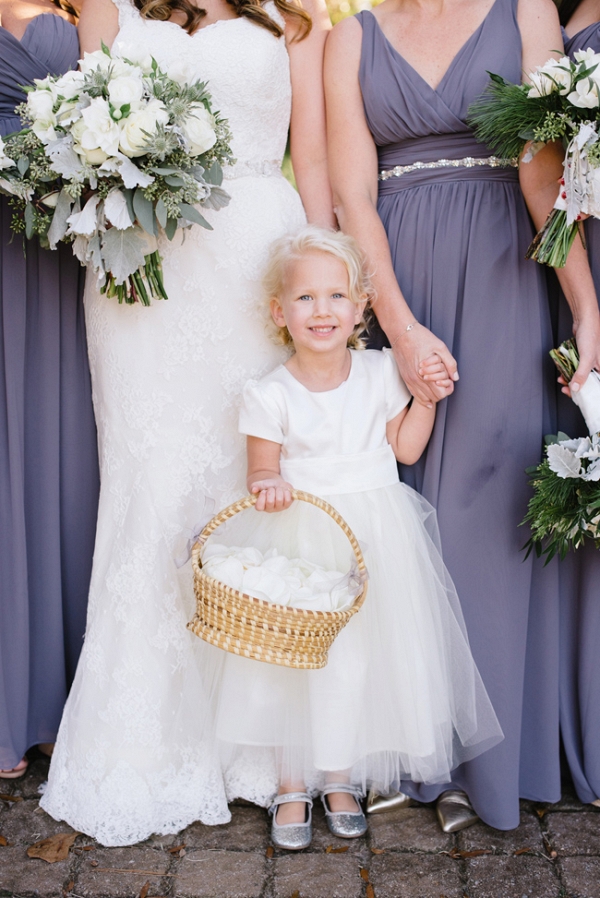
pixel 133 755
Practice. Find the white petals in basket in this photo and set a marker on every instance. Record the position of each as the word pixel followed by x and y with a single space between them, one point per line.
pixel 280 580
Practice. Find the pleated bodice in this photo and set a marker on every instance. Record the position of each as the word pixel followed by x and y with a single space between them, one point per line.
pixel 49 46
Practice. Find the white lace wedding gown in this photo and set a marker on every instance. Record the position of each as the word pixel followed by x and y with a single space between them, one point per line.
pixel 134 754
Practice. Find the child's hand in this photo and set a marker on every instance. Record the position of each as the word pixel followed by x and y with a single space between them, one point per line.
pixel 273 495
pixel 433 369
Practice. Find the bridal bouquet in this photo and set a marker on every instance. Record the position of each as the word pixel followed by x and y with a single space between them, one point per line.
pixel 111 154
pixel 561 102
pixel 565 507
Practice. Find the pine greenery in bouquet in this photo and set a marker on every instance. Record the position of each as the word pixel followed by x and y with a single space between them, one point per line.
pixel 110 156
pixel 564 511
pixel 560 102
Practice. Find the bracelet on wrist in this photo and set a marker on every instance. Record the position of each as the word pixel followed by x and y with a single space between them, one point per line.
pixel 408 328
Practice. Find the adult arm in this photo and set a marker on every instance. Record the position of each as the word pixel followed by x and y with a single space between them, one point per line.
pixel 307 126
pixel 98 23
pixel 540 31
pixel 353 172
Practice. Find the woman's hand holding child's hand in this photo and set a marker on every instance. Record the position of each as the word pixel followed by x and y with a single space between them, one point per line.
pixel 432 369
pixel 274 495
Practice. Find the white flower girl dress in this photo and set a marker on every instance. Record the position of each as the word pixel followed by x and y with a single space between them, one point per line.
pixel 401 695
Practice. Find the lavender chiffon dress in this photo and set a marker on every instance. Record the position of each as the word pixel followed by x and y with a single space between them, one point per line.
pixel 48 456
pixel 580 572
pixel 458 238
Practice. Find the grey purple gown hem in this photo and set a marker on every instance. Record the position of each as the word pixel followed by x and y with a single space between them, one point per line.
pixel 49 478
pixel 458 238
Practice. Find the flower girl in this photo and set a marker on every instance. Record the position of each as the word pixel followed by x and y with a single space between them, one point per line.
pixel 401 695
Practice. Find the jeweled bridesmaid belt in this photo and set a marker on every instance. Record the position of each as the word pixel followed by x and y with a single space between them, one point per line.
pixel 467 162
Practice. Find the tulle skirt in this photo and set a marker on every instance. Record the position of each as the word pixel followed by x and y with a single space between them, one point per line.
pixel 400 695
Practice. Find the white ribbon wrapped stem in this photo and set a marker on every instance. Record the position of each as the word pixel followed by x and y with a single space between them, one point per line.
pixel 587 399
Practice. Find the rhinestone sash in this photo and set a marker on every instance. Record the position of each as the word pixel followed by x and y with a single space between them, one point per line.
pixel 467 162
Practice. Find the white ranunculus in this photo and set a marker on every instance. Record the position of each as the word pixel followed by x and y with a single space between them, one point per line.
pixel 139 125
pixel 126 91
pixel 199 130
pixel 70 85
pixel 585 95
pixel 116 211
pixel 5 161
pixel 101 131
pixel 40 109
pixel 84 223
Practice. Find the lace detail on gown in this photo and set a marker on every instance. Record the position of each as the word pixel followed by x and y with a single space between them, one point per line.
pixel 133 755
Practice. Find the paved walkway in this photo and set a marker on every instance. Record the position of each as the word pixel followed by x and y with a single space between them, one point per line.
pixel 555 853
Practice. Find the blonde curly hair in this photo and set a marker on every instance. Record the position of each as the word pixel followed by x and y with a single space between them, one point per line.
pixel 323 240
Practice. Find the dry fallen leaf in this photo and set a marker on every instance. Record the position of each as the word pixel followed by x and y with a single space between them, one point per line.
pixel 88 848
pixel 55 848
pixel 70 887
pixel 364 874
pixel 295 894
pixel 10 797
pixel 377 850
pixel 93 863
pixel 177 848
pixel 370 891
pixel 3 841
pixel 331 850
pixel 270 851
pixel 522 851
pixel 541 811
pixel 145 889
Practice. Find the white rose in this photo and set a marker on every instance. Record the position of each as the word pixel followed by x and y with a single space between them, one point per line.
pixel 5 161
pixel 67 113
pixel 199 129
pixel 585 95
pixel 126 91
pixel 70 85
pixel 134 54
pixel 47 84
pixel 139 125
pixel 92 155
pixel 181 72
pixel 40 108
pixel 101 130
pixel 93 61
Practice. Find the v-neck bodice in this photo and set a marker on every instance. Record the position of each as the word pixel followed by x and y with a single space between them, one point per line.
pixel 587 37
pixel 410 120
pixel 49 46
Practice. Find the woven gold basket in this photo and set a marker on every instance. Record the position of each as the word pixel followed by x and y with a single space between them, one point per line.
pixel 254 628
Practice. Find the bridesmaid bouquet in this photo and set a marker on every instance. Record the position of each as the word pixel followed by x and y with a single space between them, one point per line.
pixel 561 102
pixel 565 507
pixel 110 155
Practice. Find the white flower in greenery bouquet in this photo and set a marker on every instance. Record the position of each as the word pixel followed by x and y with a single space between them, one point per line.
pixel 561 101
pixel 565 508
pixel 111 155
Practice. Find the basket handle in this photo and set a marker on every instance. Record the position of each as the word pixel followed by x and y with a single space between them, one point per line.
pixel 248 501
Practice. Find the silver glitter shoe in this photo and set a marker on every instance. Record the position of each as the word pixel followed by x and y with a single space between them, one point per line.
pixel 378 804
pixel 345 824
pixel 291 836
pixel 454 811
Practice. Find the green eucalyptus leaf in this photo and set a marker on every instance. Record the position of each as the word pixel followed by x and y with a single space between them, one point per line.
pixel 191 214
pixel 22 165
pixel 144 212
pixel 29 216
pixel 123 252
pixel 161 213
pixel 171 228
pixel 214 175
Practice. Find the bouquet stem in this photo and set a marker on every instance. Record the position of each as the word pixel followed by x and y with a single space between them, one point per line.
pixel 551 245
pixel 142 286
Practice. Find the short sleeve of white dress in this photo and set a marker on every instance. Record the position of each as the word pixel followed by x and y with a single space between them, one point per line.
pixel 397 394
pixel 259 414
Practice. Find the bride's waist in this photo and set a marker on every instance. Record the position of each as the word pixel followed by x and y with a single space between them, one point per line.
pixel 253 168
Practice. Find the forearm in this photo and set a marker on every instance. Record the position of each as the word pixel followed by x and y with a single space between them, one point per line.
pixel 540 182
pixel 312 180
pixel 414 433
pixel 264 474
pixel 359 218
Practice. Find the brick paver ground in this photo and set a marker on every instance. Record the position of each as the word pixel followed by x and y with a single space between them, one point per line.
pixel 555 853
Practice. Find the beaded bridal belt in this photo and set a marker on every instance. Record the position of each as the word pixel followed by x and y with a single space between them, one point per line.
pixel 467 162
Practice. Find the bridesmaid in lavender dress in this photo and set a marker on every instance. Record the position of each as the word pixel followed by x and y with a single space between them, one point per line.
pixel 48 457
pixel 447 243
pixel 580 572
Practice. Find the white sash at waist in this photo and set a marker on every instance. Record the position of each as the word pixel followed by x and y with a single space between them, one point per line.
pixel 342 473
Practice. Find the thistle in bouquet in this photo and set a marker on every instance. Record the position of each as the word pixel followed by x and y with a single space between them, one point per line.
pixel 560 102
pixel 564 511
pixel 109 157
